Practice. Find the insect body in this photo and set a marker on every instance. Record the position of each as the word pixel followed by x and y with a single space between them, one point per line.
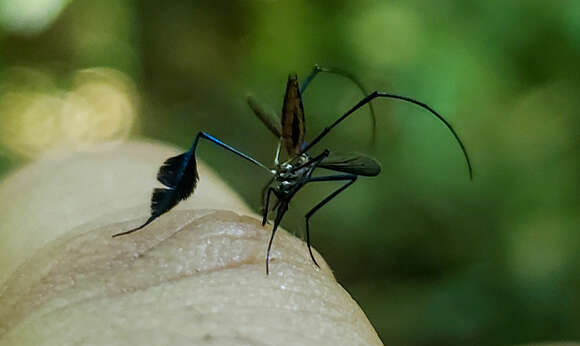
pixel 179 174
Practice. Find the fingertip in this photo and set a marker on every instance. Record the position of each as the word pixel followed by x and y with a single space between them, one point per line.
pixel 198 273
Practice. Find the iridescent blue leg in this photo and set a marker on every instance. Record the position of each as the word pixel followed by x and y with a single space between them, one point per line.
pixel 214 140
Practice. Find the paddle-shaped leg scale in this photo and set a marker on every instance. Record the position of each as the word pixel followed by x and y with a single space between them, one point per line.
pixel 179 174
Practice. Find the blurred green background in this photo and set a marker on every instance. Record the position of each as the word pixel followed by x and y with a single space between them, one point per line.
pixel 432 258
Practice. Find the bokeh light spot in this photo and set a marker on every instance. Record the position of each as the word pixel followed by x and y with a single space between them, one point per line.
pixel 29 124
pixel 101 107
pixel 29 16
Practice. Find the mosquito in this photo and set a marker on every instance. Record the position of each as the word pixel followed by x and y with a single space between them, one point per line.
pixel 180 176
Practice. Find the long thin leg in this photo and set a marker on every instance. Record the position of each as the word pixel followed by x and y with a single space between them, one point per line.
pixel 281 211
pixel 214 140
pixel 376 94
pixel 277 157
pixel 265 191
pixel 341 177
pixel 317 69
pixel 179 175
pixel 267 206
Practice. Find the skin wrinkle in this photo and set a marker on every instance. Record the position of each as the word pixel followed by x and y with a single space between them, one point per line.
pixel 336 319
pixel 277 329
pixel 250 308
pixel 162 241
pixel 191 224
pixel 335 307
pixel 227 340
pixel 232 264
pixel 153 246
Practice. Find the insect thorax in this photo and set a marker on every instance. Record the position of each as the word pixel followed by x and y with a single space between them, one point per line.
pixel 290 176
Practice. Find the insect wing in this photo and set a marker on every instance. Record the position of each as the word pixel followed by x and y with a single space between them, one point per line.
pixel 272 121
pixel 352 163
pixel 293 126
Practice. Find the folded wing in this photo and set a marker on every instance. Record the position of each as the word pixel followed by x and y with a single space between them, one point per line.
pixel 352 163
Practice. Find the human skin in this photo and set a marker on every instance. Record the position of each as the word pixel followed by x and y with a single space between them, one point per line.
pixel 195 276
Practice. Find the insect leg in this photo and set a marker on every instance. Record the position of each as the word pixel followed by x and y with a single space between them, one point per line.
pixel 341 177
pixel 277 157
pixel 317 69
pixel 267 205
pixel 264 191
pixel 281 211
pixel 179 175
pixel 214 140
pixel 376 94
